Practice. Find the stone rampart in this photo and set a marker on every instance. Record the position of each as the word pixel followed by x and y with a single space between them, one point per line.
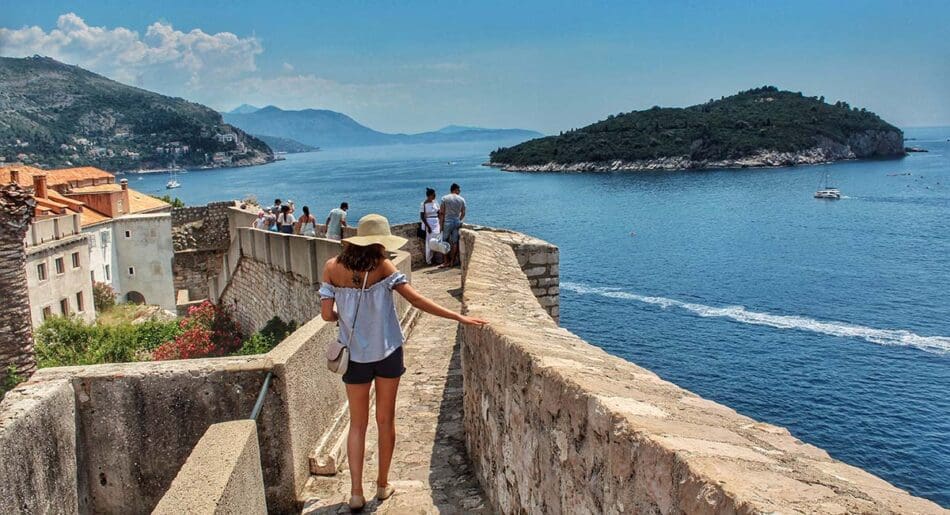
pixel 538 259
pixel 556 425
pixel 201 236
pixel 267 274
pixel 222 475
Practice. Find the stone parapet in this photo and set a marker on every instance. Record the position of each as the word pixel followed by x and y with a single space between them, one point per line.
pixel 556 425
pixel 538 259
pixel 38 449
pixel 111 438
pixel 221 476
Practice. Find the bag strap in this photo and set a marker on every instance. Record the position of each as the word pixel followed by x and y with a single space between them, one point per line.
pixel 359 300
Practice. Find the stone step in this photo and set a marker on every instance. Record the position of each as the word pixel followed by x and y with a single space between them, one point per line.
pixel 329 455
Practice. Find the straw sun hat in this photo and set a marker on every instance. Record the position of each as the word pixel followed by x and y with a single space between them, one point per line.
pixel 374 229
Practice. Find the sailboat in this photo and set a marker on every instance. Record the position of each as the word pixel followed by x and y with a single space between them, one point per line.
pixel 825 191
pixel 173 181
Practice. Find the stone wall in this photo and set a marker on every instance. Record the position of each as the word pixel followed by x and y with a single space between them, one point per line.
pixel 538 259
pixel 556 425
pixel 38 449
pixel 201 235
pixel 202 227
pixel 193 269
pixel 111 438
pixel 256 295
pixel 222 474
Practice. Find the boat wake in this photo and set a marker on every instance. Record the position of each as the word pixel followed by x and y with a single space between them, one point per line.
pixel 898 337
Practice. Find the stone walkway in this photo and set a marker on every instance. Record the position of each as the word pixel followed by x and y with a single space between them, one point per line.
pixel 430 470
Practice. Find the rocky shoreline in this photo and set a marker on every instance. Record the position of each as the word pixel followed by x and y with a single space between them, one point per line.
pixel 867 144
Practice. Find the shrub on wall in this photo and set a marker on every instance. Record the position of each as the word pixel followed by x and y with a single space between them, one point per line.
pixel 207 330
pixel 65 341
pixel 103 296
pixel 9 379
pixel 268 337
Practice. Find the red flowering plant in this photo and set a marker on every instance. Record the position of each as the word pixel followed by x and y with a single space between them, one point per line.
pixel 207 330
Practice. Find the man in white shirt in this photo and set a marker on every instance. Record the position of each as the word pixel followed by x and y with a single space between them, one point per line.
pixel 336 221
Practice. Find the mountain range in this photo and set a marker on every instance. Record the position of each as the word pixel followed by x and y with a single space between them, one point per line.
pixel 54 114
pixel 324 128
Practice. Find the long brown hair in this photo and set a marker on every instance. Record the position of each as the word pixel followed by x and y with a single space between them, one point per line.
pixel 358 258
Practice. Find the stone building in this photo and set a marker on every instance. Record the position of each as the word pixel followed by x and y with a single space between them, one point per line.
pixel 128 232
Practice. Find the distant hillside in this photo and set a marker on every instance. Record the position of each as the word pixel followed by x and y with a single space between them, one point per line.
pixel 244 109
pixel 287 145
pixel 758 127
pixel 324 128
pixel 53 114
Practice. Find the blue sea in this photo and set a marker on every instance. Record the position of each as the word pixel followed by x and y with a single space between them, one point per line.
pixel 831 318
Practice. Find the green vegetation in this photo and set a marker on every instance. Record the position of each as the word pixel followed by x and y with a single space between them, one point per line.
pixel 122 335
pixel 9 380
pixel 103 297
pixel 61 115
pixel 65 341
pixel 268 337
pixel 732 127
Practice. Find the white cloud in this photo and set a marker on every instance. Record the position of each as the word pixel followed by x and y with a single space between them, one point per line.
pixel 162 55
pixel 288 67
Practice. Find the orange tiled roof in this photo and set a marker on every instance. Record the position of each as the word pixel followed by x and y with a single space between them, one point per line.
pixel 91 217
pixel 102 188
pixel 65 175
pixel 142 203
pixel 26 174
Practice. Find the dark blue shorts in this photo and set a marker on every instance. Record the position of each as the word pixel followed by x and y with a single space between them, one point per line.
pixel 389 367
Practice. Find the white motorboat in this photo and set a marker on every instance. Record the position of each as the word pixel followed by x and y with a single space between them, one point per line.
pixel 828 193
pixel 825 191
pixel 172 184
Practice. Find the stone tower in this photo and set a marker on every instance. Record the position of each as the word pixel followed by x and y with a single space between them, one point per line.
pixel 16 331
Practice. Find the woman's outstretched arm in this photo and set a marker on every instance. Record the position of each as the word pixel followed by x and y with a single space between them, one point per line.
pixel 420 302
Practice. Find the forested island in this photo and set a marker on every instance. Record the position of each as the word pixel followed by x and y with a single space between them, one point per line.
pixel 759 127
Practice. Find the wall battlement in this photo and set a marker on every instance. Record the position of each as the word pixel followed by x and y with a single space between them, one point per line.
pixel 556 425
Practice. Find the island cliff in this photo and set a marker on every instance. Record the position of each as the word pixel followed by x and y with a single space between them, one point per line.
pixel 755 128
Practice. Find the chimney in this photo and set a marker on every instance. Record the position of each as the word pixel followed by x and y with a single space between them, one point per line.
pixel 39 185
pixel 125 184
pixel 15 176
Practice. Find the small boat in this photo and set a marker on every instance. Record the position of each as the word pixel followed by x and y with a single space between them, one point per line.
pixel 825 191
pixel 828 193
pixel 172 181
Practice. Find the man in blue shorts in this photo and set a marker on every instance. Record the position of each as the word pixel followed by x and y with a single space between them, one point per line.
pixel 451 214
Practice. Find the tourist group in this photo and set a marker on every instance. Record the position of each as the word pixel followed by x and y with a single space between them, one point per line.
pixel 439 227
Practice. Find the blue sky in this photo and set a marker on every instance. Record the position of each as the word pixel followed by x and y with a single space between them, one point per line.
pixel 549 66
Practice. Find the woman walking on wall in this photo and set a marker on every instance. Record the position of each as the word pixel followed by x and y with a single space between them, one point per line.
pixel 285 221
pixel 357 291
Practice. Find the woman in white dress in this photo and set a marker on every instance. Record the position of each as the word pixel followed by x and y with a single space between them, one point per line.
pixel 307 224
pixel 429 212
